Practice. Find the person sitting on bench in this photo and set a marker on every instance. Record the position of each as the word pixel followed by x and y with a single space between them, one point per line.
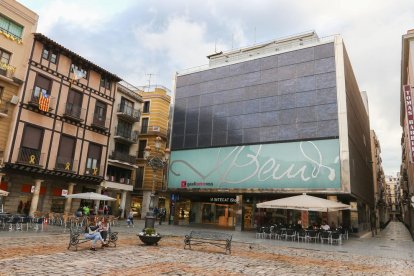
pixel 103 228
pixel 91 233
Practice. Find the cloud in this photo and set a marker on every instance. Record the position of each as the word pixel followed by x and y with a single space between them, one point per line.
pixel 132 38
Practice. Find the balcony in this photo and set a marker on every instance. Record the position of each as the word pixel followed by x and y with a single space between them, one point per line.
pixel 35 98
pixel 154 130
pixel 31 157
pixel 4 108
pixel 74 112
pixel 126 136
pixel 121 156
pixel 121 180
pixel 66 164
pixel 7 70
pixel 95 172
pixel 100 123
pixel 128 113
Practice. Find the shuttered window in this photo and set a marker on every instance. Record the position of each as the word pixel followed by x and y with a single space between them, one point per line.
pixel 32 137
pixel 10 27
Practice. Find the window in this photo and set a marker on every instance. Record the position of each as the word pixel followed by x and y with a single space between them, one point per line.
pixel 49 55
pixel 66 152
pixel 93 160
pixel 122 148
pixel 74 104
pixel 124 129
pixel 100 113
pixel 31 145
pixel 140 177
pixel 42 85
pixel 105 83
pixel 146 107
pixel 45 53
pixel 4 61
pixel 144 125
pixel 126 106
pixel 141 148
pixel 10 27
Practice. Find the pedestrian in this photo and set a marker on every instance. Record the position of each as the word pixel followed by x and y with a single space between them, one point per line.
pixel 91 233
pixel 162 214
pixel 373 224
pixel 86 210
pixel 130 219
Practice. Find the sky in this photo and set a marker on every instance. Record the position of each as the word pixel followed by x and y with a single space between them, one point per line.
pixel 146 42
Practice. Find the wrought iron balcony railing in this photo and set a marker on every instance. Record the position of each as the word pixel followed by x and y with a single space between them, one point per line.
pixel 126 135
pixel 74 112
pixel 100 122
pixel 121 156
pixel 35 100
pixel 32 157
pixel 128 113
pixel 66 164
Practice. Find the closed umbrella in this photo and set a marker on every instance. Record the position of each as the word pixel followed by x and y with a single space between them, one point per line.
pixel 304 202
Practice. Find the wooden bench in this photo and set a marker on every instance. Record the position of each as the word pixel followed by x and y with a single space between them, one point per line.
pixel 218 239
pixel 77 237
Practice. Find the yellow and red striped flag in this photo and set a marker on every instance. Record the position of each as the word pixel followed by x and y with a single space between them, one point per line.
pixel 44 101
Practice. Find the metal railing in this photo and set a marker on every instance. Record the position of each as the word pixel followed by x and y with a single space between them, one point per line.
pixel 7 70
pixel 74 112
pixel 131 113
pixel 154 130
pixel 30 156
pixel 128 135
pixel 66 164
pixel 122 180
pixel 121 156
pixel 97 171
pixel 35 98
pixel 100 122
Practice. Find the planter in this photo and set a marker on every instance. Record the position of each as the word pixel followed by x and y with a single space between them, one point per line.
pixel 149 240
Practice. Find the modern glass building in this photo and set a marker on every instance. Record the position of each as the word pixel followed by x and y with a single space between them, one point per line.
pixel 269 121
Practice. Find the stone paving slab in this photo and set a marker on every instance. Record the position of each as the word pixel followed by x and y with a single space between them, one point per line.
pixel 45 253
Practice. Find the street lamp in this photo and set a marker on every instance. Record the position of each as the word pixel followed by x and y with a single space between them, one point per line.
pixel 157 160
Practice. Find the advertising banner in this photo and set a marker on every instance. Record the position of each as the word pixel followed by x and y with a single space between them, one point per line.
pixel 295 165
pixel 410 118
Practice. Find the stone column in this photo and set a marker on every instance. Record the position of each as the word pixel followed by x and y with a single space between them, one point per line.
pixel 98 191
pixel 238 210
pixel 123 201
pixel 333 216
pixel 35 198
pixel 68 203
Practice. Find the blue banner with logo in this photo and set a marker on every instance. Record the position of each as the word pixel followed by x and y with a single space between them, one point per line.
pixel 294 165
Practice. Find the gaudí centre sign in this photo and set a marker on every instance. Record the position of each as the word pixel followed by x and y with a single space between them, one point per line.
pixel 294 165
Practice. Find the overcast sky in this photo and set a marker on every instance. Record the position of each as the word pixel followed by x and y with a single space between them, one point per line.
pixel 135 38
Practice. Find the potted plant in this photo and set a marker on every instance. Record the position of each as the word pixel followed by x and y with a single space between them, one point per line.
pixel 149 236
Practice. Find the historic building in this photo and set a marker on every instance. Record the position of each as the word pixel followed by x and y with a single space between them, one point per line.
pixel 154 123
pixel 265 122
pixel 381 211
pixel 60 139
pixel 17 25
pixel 123 147
pixel 393 195
pixel 407 124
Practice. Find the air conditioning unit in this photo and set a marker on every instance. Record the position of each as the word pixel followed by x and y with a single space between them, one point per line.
pixel 156 128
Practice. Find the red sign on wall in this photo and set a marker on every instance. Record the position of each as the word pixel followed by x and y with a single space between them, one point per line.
pixel 410 118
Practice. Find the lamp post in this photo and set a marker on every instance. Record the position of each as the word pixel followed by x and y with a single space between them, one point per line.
pixel 157 160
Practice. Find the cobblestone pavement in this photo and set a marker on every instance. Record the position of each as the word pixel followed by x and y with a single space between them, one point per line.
pixel 44 253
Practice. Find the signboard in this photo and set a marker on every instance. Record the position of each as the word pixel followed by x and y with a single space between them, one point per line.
pixel 301 165
pixel 410 118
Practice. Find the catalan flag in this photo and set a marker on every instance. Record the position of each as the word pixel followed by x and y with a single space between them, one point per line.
pixel 44 101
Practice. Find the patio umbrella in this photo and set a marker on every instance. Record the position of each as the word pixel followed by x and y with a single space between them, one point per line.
pixel 91 196
pixel 304 202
